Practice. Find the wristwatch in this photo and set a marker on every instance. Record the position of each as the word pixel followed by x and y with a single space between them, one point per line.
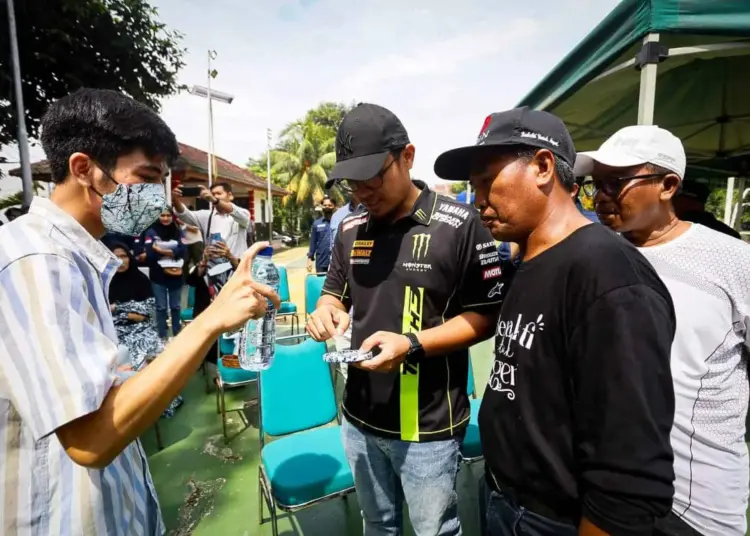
pixel 416 350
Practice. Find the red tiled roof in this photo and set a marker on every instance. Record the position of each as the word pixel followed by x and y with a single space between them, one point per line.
pixel 198 160
pixel 190 157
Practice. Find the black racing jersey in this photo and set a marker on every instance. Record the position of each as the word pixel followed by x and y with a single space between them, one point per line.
pixel 408 276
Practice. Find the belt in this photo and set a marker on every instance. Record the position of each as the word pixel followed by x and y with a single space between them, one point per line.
pixel 529 502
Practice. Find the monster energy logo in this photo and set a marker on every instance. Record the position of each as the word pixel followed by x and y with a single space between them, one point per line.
pixel 420 214
pixel 421 246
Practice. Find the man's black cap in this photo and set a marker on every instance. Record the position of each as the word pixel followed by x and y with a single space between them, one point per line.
pixel 694 190
pixel 519 126
pixel 365 138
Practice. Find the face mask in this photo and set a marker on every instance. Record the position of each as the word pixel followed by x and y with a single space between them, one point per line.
pixel 327 211
pixel 132 208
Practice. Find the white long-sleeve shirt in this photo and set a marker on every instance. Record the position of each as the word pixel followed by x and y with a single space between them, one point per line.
pixel 232 227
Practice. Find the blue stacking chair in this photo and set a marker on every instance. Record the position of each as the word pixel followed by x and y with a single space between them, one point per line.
pixel 313 290
pixel 287 309
pixel 306 464
pixel 186 315
pixel 228 378
pixel 471 448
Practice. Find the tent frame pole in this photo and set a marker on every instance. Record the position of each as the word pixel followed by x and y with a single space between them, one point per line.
pixel 728 204
pixel 647 96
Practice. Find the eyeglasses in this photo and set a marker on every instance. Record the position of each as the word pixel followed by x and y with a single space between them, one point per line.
pixel 612 186
pixel 373 183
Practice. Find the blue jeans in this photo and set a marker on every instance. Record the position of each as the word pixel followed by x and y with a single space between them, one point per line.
pixel 500 515
pixel 387 471
pixel 167 298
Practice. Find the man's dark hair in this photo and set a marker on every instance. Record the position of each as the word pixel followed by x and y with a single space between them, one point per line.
pixel 659 170
pixel 563 170
pixel 227 187
pixel 105 125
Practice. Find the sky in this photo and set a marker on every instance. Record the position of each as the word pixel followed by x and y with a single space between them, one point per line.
pixel 441 66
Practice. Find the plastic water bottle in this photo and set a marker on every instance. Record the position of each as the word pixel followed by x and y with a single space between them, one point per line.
pixel 258 339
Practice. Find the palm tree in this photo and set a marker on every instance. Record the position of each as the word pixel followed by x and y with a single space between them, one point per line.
pixel 17 198
pixel 303 160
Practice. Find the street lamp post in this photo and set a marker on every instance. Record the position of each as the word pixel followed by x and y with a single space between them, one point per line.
pixel 211 95
pixel 23 140
pixel 268 184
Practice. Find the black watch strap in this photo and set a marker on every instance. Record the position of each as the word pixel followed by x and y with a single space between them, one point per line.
pixel 416 350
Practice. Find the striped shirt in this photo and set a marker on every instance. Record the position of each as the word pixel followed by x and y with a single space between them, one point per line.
pixel 58 349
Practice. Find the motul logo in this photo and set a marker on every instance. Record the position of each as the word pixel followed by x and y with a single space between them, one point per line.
pixel 491 273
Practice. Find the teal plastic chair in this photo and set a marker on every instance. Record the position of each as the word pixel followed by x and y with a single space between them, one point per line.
pixel 186 315
pixel 305 465
pixel 471 448
pixel 313 290
pixel 228 378
pixel 287 309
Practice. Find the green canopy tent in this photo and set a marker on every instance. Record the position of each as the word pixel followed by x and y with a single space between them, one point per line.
pixel 681 64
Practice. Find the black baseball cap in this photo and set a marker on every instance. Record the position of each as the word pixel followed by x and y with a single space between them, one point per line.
pixel 366 136
pixel 519 126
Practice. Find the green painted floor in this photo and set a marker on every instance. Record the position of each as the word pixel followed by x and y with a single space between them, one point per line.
pixel 207 488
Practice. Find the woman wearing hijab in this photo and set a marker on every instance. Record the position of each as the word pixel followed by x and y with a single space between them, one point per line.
pixel 132 304
pixel 165 252
pixel 205 288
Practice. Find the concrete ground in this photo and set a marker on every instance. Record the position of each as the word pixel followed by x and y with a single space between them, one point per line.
pixel 207 488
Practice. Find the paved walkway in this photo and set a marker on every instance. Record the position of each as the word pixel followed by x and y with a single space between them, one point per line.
pixel 291 256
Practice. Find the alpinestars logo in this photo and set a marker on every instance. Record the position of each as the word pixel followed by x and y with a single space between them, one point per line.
pixel 497 290
pixel 420 247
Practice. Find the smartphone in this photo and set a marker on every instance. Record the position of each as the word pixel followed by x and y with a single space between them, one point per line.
pixel 214 237
pixel 191 191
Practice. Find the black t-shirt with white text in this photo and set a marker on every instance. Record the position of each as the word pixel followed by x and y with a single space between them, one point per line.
pixel 579 405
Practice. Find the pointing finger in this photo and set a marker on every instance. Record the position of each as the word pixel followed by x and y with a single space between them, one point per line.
pixel 248 257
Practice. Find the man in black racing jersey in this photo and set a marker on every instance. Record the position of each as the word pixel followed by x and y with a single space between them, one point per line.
pixel 422 275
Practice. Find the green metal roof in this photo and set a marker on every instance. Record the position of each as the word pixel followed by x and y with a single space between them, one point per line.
pixel 702 98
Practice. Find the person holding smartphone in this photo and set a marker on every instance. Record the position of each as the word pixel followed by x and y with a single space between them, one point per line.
pixel 165 253
pixel 224 217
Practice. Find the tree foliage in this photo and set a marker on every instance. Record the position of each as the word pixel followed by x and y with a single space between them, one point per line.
pixel 68 44
pixel 301 162
pixel 16 198
pixel 717 201
pixel 304 164
pixel 458 187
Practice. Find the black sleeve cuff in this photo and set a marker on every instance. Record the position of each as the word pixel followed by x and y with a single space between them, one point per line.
pixel 624 516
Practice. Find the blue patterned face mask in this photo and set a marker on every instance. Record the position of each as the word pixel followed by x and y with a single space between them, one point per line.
pixel 132 208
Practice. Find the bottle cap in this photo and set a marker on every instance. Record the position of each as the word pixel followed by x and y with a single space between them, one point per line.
pixel 266 252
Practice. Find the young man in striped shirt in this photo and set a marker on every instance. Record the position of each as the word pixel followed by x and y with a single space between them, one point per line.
pixel 70 459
